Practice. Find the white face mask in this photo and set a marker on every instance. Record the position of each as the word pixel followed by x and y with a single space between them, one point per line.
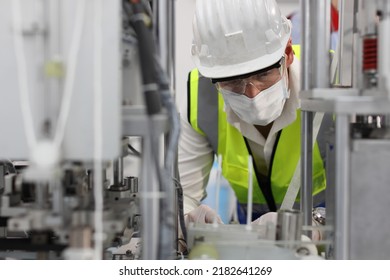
pixel 262 109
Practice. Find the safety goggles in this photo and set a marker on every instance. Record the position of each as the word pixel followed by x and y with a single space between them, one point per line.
pixel 261 79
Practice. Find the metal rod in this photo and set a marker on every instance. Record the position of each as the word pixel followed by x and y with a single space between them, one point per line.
pixel 315 74
pixel 383 49
pixel 307 168
pixel 322 39
pixel 165 33
pixel 342 192
pixel 149 203
pixel 357 63
pixel 305 46
pixel 120 160
pixel 116 172
pixel 340 51
pixel 41 195
pixel 306 132
pixel 315 30
pixel 315 44
pixel 165 36
pixel 58 197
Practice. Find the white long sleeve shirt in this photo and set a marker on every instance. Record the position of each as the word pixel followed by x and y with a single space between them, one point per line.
pixel 196 155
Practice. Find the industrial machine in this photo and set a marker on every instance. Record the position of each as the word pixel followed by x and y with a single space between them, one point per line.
pixel 86 100
pixel 90 129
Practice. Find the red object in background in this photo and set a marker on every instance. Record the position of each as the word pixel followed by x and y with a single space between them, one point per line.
pixel 370 53
pixel 334 16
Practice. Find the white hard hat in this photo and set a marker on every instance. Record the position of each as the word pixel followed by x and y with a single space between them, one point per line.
pixel 235 37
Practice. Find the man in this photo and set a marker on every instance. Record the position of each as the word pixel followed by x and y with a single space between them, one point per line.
pixel 242 100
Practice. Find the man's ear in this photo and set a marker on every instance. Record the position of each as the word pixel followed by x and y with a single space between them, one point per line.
pixel 289 53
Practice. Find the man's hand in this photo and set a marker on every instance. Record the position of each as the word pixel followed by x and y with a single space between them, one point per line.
pixel 202 214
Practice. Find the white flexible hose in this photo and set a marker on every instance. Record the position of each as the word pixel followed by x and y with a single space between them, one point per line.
pixel 22 75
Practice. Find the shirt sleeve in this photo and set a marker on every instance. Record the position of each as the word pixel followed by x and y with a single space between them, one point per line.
pixel 195 159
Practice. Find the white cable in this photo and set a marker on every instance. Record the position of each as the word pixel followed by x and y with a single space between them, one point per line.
pixel 218 186
pixel 22 75
pixel 98 130
pixel 250 194
pixel 70 73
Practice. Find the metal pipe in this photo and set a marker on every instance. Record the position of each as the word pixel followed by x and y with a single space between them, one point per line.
pixel 384 61
pixel 307 168
pixel 116 172
pixel 41 195
pixel 120 160
pixel 305 46
pixel 164 15
pixel 315 74
pixel 357 74
pixel 322 40
pixel 315 30
pixel 383 51
pixel 58 197
pixel 307 117
pixel 340 51
pixel 165 35
pixel 149 203
pixel 342 192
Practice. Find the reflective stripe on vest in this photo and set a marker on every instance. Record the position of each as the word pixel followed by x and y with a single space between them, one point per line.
pixel 208 118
